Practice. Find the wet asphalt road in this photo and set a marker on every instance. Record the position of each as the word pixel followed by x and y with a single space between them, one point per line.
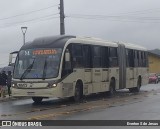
pixel 124 106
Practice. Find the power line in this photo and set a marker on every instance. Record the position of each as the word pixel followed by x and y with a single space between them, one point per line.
pixel 109 17
pixel 118 20
pixel 139 12
pixel 121 18
pixel 34 19
pixel 113 16
pixel 28 12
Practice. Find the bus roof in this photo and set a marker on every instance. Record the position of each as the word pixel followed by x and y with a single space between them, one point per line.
pixel 47 42
pixel 93 41
pixel 61 40
pixel 134 46
pixel 101 42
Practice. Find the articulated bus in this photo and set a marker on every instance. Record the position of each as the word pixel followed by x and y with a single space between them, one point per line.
pixel 70 66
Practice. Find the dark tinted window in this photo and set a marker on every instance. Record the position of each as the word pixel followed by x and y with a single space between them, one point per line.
pixel 130 57
pixel 140 58
pixel 135 58
pixel 64 70
pixel 105 57
pixel 113 52
pixel 97 51
pixel 145 59
pixel 77 55
pixel 87 56
pixel 77 50
pixel 96 56
pixel 113 57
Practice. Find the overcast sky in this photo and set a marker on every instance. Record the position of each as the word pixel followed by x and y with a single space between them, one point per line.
pixel 133 21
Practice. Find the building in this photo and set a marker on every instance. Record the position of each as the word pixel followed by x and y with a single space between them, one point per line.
pixel 154 62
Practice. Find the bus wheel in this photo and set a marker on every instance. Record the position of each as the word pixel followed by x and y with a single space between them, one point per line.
pixel 112 90
pixel 78 93
pixel 131 90
pixel 137 89
pixel 37 99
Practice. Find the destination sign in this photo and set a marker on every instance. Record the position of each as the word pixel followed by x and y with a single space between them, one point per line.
pixel 45 52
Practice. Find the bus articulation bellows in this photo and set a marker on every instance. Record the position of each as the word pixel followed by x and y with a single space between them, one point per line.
pixel 70 66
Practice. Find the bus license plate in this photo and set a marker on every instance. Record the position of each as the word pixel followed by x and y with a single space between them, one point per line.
pixel 31 93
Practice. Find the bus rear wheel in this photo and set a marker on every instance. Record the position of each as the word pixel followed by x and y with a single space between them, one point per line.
pixel 131 90
pixel 37 99
pixel 136 89
pixel 112 90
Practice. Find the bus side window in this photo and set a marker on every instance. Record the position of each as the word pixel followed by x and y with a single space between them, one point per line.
pixel 135 59
pixel 130 58
pixel 64 70
pixel 113 57
pixel 77 55
pixel 87 56
pixel 105 57
pixel 127 57
pixel 96 57
pixel 140 59
pixel 145 59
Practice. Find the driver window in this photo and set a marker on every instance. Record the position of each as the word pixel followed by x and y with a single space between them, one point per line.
pixel 64 71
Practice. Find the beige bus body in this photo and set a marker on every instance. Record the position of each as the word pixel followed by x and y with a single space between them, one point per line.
pixel 93 80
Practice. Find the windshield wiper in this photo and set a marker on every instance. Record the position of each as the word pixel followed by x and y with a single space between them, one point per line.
pixel 44 69
pixel 27 70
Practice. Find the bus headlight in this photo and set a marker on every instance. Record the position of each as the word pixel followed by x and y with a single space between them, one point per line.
pixel 14 85
pixel 54 85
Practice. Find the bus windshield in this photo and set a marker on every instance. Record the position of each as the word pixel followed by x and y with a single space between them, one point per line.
pixel 41 63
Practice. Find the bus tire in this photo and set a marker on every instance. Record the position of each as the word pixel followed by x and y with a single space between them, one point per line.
pixel 131 90
pixel 112 90
pixel 37 99
pixel 78 92
pixel 137 89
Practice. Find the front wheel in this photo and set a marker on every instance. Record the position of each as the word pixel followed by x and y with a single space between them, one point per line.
pixel 37 99
pixel 78 93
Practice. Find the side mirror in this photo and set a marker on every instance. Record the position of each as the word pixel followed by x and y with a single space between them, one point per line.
pixel 67 60
pixel 10 59
pixel 67 55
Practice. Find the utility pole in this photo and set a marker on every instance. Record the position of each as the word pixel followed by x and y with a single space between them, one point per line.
pixel 62 29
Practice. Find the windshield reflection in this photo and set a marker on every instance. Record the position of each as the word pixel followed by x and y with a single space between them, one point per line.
pixel 37 64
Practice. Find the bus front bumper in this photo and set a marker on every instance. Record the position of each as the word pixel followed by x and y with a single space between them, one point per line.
pixel 48 92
